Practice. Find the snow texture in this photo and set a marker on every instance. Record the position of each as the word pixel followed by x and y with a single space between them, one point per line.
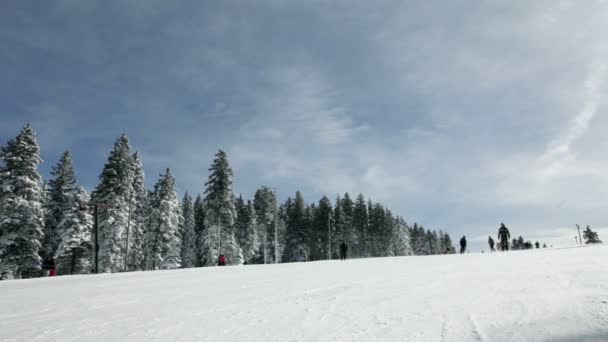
pixel 536 295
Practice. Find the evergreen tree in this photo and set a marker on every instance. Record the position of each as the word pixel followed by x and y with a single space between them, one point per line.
pixel 447 243
pixel 321 234
pixel 21 213
pixel 60 193
pixel 199 228
pixel 591 236
pixel 189 247
pixel 137 216
pixel 164 248
pixel 265 204
pixel 74 252
pixel 401 238
pixel 360 222
pixel 112 198
pixel 218 237
pixel 247 230
pixel 298 229
pixel 349 233
pixel 338 227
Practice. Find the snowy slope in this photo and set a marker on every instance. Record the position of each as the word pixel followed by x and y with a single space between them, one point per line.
pixel 543 295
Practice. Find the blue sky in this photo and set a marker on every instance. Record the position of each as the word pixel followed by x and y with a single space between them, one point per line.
pixel 458 115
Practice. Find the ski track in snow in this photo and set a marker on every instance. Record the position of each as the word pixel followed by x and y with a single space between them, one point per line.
pixel 541 295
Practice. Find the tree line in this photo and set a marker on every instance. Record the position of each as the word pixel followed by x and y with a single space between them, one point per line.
pixel 149 229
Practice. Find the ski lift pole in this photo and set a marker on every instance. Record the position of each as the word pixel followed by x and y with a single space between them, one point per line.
pixel 580 238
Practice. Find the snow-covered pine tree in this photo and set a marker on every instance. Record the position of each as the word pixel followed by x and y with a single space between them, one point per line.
pixel 218 237
pixel 376 220
pixel 247 230
pixel 265 205
pixel 137 216
pixel 281 228
pixel 349 232
pixel 112 198
pixel 338 228
pixel 417 240
pixel 360 223
pixel 297 230
pixel 401 238
pixel 590 236
pixel 164 242
pixel 447 243
pixel 60 194
pixel 320 230
pixel 21 213
pixel 199 225
pixel 73 255
pixel 189 250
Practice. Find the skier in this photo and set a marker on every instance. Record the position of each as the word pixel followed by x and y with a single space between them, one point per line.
pixel 491 242
pixel 537 245
pixel 463 245
pixel 503 237
pixel 221 260
pixel 343 250
pixel 48 266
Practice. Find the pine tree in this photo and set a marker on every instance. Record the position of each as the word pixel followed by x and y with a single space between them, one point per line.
pixel 401 238
pixel 321 234
pixel 218 237
pixel 246 230
pixel 189 247
pixel 349 234
pixel 137 216
pixel 164 249
pixel 112 198
pixel 199 228
pixel 447 243
pixel 297 230
pixel 338 227
pixel 360 223
pixel 21 213
pixel 60 193
pixel 73 255
pixel 591 236
pixel 265 204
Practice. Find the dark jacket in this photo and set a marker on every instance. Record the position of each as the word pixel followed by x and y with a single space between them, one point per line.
pixel 343 247
pixel 463 242
pixel 48 264
pixel 503 233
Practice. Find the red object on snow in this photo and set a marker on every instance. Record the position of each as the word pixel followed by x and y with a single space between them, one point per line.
pixel 222 260
pixel 52 273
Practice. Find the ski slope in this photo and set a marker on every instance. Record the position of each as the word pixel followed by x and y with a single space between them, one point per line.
pixel 541 295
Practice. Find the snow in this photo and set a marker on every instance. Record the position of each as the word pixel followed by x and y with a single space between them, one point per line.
pixel 540 295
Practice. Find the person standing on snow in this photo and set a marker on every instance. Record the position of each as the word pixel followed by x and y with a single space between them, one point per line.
pixel 463 245
pixel 491 243
pixel 503 237
pixel 343 250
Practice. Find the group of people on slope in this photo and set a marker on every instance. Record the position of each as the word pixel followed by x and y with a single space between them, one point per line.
pixel 503 237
